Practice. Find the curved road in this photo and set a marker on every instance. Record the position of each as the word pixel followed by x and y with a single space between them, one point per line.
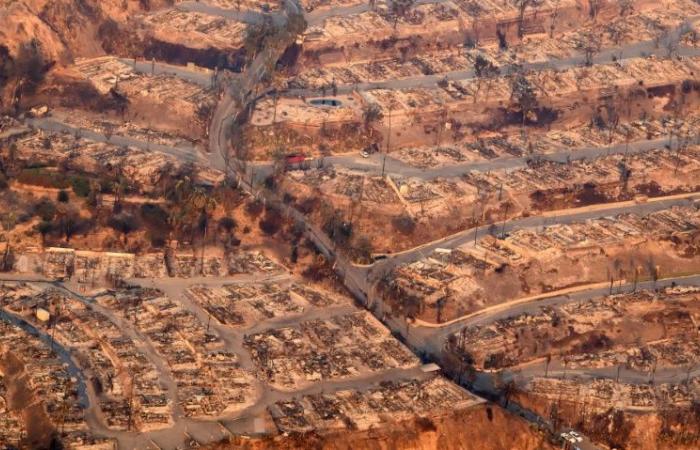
pixel 355 277
pixel 433 338
pixel 202 430
pixel 551 218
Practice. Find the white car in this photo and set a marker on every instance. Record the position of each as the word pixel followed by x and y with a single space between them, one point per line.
pixel 365 154
pixel 576 436
pixel 568 437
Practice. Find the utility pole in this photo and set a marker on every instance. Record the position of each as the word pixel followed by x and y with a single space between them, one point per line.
pixel 53 333
pixel 388 141
pixel 505 218
pixel 64 406
pixel 131 402
pixel 148 138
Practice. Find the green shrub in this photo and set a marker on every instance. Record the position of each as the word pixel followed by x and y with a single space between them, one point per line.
pixel 81 186
pixel 44 178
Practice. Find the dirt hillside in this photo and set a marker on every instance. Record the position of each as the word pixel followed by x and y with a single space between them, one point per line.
pixel 473 428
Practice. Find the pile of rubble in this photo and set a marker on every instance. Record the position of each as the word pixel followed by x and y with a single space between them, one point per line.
pixel 126 382
pixel 195 30
pixel 210 381
pixel 365 409
pixel 88 267
pixel 583 333
pixel 11 422
pixel 602 394
pixel 144 168
pixel 340 347
pixel 464 275
pixel 54 385
pixel 245 305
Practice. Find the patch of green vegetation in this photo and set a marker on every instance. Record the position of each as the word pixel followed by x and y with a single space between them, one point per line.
pixel 81 186
pixel 44 178
pixel 40 176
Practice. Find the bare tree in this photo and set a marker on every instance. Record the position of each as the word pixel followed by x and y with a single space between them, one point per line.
pixel 625 7
pixel 484 70
pixel 670 42
pixel 522 95
pixel 590 44
pixel 522 6
pixel 400 9
pixel 553 19
pixel 615 32
pixel 108 130
pixel 658 30
pixel 475 10
pixel 371 114
pixel 653 270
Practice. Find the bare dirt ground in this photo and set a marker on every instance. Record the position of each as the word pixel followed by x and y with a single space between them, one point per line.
pixel 444 432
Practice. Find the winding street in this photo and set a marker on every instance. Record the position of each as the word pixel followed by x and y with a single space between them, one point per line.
pixel 358 279
pixel 225 114
pixel 432 338
pixel 550 218
pixel 202 430
pixel 61 352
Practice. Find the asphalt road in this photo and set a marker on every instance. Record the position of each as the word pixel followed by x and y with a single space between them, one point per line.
pixel 61 352
pixel 431 340
pixel 186 153
pixel 355 277
pixel 373 164
pixel 435 337
pixel 204 431
pixel 621 53
pixel 567 217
